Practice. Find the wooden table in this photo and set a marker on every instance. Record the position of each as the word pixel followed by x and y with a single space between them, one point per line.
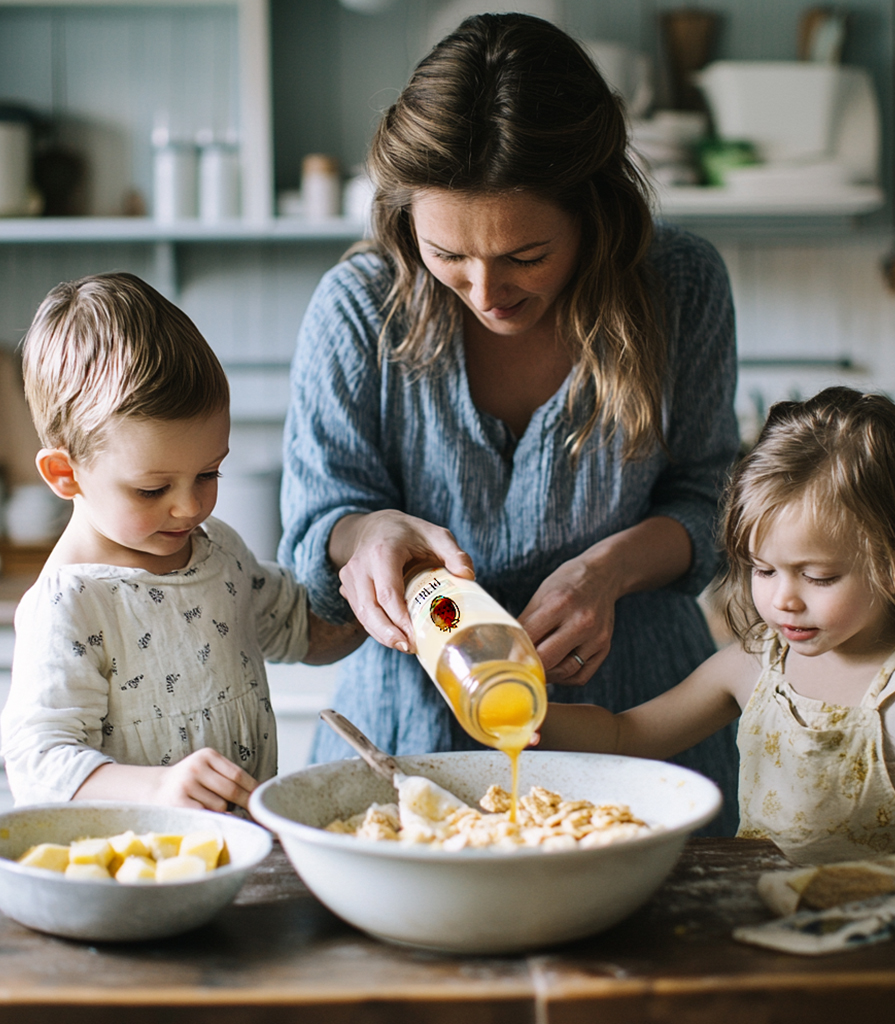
pixel 278 956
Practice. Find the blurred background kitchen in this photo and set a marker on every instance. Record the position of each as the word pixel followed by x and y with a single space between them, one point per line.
pixel 215 148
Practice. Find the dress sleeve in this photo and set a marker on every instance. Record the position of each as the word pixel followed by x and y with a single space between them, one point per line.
pixel 701 426
pixel 279 603
pixel 333 464
pixel 52 725
pixel 281 612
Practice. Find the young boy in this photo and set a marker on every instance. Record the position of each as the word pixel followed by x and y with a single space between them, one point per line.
pixel 138 671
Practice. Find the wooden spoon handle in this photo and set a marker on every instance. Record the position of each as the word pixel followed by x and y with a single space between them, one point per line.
pixel 382 763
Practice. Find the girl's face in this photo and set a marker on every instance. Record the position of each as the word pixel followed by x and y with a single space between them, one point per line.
pixel 507 257
pixel 814 591
pixel 142 496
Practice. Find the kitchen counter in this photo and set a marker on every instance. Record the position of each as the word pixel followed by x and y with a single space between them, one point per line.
pixel 277 955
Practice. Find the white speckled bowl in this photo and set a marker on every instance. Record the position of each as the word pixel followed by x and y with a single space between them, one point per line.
pixel 107 911
pixel 485 901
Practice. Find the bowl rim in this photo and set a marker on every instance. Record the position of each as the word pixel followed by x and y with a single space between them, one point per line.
pixel 409 851
pixel 13 867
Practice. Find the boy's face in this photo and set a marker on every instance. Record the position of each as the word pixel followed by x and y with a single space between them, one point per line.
pixel 149 487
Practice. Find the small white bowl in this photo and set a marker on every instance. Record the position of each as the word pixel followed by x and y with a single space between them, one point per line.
pixel 487 900
pixel 107 911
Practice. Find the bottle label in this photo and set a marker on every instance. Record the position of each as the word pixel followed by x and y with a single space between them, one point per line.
pixel 440 604
pixel 445 614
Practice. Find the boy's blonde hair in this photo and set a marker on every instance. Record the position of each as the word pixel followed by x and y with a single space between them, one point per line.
pixel 111 345
pixel 835 455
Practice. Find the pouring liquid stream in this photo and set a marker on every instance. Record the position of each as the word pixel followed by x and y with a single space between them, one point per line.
pixel 506 713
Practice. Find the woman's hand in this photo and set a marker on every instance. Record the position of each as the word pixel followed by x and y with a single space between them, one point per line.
pixel 571 615
pixel 372 552
pixel 203 779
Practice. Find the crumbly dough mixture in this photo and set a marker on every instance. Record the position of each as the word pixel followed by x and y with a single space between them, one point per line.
pixel 544 820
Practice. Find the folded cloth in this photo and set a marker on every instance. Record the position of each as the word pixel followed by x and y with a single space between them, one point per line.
pixel 815 932
pixel 828 885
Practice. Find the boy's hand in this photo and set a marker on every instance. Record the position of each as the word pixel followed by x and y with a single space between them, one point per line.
pixel 206 779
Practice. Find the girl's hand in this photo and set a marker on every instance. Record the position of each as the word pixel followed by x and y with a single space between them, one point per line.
pixel 203 779
pixel 372 552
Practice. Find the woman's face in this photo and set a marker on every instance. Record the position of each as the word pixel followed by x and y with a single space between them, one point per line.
pixel 507 256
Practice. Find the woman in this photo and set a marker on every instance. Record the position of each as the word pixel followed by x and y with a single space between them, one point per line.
pixel 523 378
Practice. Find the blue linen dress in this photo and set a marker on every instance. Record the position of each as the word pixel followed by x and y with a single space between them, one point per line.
pixel 361 437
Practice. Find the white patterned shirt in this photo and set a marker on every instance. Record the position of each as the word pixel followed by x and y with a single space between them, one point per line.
pixel 119 664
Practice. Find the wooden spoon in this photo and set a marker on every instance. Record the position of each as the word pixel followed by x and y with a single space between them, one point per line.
pixel 418 796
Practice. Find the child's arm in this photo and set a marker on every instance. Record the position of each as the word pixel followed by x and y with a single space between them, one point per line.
pixel 287 628
pixel 204 779
pixel 329 642
pixel 704 702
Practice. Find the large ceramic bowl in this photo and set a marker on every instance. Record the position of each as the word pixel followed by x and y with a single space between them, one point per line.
pixel 107 911
pixel 486 900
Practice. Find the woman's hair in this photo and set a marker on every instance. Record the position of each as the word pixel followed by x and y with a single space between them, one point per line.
pixel 834 455
pixel 111 345
pixel 510 103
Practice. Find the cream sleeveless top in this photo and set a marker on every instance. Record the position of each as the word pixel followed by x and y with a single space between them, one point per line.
pixel 813 776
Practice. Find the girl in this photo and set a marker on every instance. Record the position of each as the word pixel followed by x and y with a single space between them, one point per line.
pixel 809 532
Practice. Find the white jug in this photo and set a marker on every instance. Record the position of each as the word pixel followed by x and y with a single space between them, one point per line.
pixel 15 163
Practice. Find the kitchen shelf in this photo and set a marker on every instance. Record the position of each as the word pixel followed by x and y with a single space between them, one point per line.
pixel 145 229
pixel 707 201
pixel 166 238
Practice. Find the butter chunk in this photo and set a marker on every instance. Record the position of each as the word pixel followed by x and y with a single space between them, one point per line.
pixel 136 869
pixel 50 856
pixel 129 844
pixel 91 871
pixel 91 851
pixel 162 845
pixel 180 868
pixel 207 844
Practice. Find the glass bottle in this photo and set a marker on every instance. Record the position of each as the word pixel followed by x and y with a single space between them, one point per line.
pixel 478 656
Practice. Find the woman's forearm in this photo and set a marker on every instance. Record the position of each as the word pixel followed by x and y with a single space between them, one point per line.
pixel 343 539
pixel 652 554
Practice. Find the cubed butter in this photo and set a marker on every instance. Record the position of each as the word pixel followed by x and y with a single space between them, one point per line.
pixel 180 868
pixel 91 851
pixel 136 869
pixel 129 844
pixel 50 856
pixel 207 844
pixel 91 871
pixel 162 845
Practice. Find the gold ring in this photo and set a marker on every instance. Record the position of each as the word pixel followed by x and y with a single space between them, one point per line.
pixel 578 658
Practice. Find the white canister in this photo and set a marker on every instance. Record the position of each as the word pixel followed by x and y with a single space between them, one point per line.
pixel 218 182
pixel 15 164
pixel 321 186
pixel 358 200
pixel 175 182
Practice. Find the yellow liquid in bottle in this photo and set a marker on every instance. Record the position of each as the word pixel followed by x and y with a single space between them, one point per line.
pixel 481 660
